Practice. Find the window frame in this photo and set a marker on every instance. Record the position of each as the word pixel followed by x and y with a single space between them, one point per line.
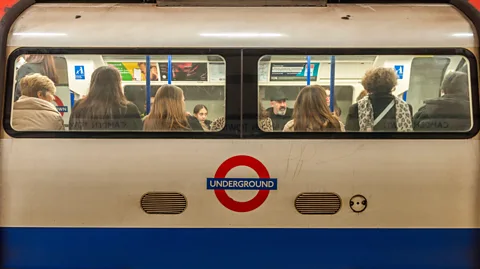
pixel 232 57
pixel 250 92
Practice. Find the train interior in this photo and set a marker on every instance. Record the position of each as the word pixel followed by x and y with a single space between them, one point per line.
pixel 202 77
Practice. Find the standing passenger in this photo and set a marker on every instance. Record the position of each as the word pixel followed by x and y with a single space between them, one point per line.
pixel 380 110
pixel 168 112
pixel 34 110
pixel 105 106
pixel 312 114
pixel 36 63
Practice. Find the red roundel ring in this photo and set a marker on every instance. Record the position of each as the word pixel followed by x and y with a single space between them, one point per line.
pixel 229 164
pixel 59 102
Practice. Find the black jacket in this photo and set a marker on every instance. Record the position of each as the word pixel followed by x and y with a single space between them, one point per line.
pixel 126 119
pixel 446 113
pixel 279 121
pixel 379 102
pixel 194 123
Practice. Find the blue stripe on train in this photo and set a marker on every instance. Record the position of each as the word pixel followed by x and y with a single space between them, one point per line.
pixel 268 248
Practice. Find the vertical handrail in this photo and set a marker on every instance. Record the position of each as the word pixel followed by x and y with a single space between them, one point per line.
pixel 72 100
pixel 404 96
pixel 308 70
pixel 149 89
pixel 332 83
pixel 169 69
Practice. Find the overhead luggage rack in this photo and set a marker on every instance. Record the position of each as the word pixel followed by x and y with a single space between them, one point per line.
pixel 241 3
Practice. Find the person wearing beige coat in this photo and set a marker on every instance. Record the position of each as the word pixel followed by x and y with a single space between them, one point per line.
pixel 34 111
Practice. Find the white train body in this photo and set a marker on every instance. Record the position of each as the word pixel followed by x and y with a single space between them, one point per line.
pixel 82 200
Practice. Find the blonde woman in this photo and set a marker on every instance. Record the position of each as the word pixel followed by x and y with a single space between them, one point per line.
pixel 34 110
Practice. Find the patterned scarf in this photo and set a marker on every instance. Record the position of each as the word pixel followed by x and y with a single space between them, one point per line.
pixel 403 117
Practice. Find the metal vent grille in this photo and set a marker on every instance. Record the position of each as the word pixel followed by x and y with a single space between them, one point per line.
pixel 163 203
pixel 318 203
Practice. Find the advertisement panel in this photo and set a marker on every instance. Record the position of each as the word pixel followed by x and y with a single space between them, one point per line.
pixel 293 71
pixel 136 71
pixel 185 71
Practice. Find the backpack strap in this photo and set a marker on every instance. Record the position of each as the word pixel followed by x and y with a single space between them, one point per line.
pixel 384 112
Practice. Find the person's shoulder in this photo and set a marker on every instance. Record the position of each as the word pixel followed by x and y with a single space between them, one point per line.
pixel 131 105
pixel 26 69
pixel 218 124
pixel 289 126
pixel 77 104
pixel 353 108
pixel 266 124
pixel 132 108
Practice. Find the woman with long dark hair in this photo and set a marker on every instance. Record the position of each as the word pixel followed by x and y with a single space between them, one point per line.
pixel 312 114
pixel 201 112
pixel 105 106
pixel 39 64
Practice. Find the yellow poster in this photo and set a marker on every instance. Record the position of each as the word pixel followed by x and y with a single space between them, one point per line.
pixel 136 71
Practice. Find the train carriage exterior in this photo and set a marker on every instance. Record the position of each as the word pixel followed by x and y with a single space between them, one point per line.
pixel 134 199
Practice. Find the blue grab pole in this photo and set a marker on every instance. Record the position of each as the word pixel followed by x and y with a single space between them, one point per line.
pixel 169 69
pixel 332 83
pixel 308 70
pixel 149 89
pixel 404 96
pixel 72 100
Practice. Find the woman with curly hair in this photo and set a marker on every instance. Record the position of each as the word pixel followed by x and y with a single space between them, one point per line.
pixel 380 110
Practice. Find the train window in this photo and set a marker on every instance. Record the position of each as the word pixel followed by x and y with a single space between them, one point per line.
pixel 112 93
pixel 372 93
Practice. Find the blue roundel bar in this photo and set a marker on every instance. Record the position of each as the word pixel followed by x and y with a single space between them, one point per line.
pixel 241 183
